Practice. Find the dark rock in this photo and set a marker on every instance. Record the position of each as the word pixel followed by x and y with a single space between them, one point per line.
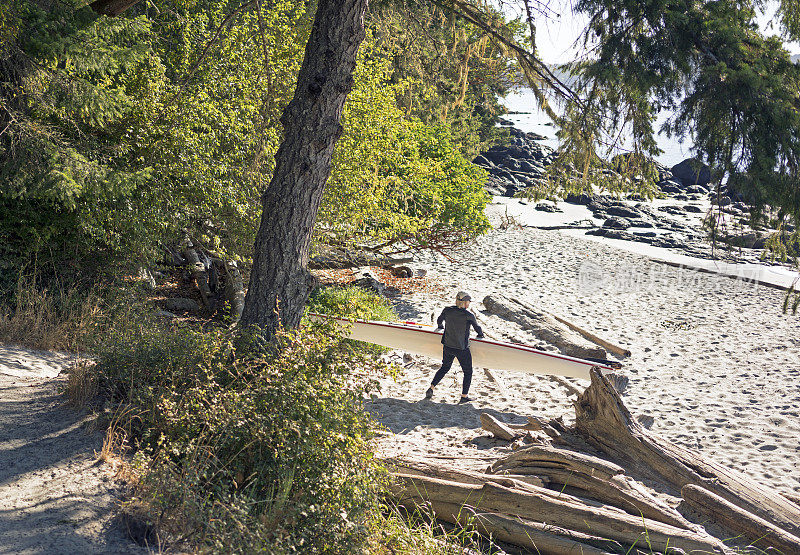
pixel 529 167
pixel 676 210
pixel 681 197
pixel 615 222
pixel 670 187
pixel 697 189
pixel 581 199
pixel 368 280
pixel 495 186
pixel 618 234
pixel 181 304
pixel 694 208
pixel 402 271
pixel 641 223
pixel 645 233
pixel 624 211
pixel 599 203
pixel 535 136
pixel 547 207
pixel 722 201
pixel 504 121
pixel 481 160
pixel 749 240
pixel 691 171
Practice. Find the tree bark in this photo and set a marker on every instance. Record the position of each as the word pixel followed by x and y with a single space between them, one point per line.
pixel 280 281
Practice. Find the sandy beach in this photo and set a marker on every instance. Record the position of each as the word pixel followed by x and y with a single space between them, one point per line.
pixel 715 364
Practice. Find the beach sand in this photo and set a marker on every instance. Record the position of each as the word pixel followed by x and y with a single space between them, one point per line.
pixel 715 364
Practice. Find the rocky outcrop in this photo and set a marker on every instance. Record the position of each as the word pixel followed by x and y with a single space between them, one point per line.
pixel 516 165
pixel 692 171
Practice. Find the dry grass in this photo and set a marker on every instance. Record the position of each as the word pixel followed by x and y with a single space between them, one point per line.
pixel 82 384
pixel 48 319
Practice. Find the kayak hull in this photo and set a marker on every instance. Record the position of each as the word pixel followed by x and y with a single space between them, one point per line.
pixel 486 353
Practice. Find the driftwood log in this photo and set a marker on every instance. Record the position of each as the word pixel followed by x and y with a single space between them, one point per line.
pixel 611 347
pixel 584 489
pixel 604 421
pixel 563 511
pixel 544 327
pixel 534 536
pixel 760 532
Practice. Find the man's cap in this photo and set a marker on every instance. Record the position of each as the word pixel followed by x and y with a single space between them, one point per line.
pixel 463 296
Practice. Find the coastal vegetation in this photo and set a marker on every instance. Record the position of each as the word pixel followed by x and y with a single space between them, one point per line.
pixel 225 125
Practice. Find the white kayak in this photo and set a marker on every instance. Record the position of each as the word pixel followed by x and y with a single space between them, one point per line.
pixel 425 340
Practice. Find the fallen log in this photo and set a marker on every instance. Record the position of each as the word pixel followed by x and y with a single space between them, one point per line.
pixel 616 349
pixel 497 428
pixel 234 290
pixel 758 531
pixel 544 327
pixel 419 467
pixel 587 476
pixel 199 275
pixel 336 259
pixel 605 522
pixel 534 536
pixel 604 421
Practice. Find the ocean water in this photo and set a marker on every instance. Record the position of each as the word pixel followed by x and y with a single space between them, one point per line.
pixel 538 122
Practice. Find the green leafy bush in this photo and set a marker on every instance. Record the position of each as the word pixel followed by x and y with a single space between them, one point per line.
pixel 396 181
pixel 242 450
pixel 350 302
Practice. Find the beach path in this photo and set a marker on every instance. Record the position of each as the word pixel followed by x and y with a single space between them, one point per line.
pixel 55 497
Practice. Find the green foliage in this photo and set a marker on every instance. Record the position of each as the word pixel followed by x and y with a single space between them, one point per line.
pixel 453 73
pixel 735 91
pixel 396 181
pixel 246 451
pixel 350 302
pixel 123 132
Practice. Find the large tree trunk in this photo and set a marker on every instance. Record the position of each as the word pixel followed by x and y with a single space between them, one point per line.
pixel 280 281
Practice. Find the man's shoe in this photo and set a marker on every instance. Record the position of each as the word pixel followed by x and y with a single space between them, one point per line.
pixel 429 393
pixel 465 400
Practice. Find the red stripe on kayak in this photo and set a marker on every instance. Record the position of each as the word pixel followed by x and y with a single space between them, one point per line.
pixel 501 344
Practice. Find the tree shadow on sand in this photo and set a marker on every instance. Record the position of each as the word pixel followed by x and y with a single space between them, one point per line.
pixel 405 416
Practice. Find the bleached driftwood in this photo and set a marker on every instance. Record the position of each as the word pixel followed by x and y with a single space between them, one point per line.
pixel 199 275
pixel 544 327
pixel 420 467
pixel 534 536
pixel 234 290
pixel 610 347
pixel 604 421
pixel 735 519
pixel 588 476
pixel 564 511
pixel 497 428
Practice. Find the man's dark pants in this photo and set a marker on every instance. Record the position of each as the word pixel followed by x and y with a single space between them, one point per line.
pixel 464 359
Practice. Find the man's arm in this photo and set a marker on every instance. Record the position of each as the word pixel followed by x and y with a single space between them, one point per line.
pixel 440 320
pixel 474 322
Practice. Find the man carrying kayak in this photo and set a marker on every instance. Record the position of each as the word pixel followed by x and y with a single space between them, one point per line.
pixel 456 321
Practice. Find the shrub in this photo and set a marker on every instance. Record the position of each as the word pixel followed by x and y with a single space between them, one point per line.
pixel 244 450
pixel 350 302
